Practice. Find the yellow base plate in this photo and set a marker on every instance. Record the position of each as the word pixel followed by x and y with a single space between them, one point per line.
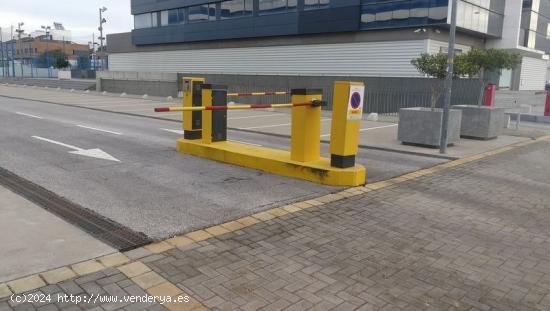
pixel 274 161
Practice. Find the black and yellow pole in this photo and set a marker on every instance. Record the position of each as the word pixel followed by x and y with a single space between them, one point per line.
pixel 214 121
pixel 192 120
pixel 347 112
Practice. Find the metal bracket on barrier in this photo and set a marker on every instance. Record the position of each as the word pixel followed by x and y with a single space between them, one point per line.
pixel 318 103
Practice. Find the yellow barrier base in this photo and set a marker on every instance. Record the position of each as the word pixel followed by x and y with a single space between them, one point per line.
pixel 274 161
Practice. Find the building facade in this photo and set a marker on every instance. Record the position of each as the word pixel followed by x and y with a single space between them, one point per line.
pixel 27 50
pixel 327 37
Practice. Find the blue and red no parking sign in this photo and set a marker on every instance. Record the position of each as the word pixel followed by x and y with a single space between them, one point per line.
pixel 355 104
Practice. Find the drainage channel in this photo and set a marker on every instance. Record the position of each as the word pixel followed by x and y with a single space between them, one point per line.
pixel 101 228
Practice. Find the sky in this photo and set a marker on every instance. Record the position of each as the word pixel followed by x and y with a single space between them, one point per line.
pixel 79 16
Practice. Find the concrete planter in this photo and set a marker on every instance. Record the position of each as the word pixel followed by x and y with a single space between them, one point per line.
pixel 422 126
pixel 481 122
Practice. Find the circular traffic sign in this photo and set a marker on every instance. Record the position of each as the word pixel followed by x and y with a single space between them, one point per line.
pixel 355 100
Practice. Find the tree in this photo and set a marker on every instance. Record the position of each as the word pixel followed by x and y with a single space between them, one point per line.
pixel 55 58
pixel 61 63
pixel 435 65
pixel 477 62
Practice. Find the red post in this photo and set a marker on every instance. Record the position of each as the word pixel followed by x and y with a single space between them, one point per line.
pixel 490 93
pixel 547 105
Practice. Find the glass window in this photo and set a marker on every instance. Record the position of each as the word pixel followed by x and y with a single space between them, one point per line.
pixel 476 16
pixel 154 19
pixel 236 8
pixel 181 15
pixel 276 6
pixel 164 18
pixel 143 21
pixel 291 4
pixel 176 16
pixel 316 4
pixel 369 14
pixel 204 12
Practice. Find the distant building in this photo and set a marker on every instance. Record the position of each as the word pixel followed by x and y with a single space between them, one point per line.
pixel 57 33
pixel 328 37
pixel 28 50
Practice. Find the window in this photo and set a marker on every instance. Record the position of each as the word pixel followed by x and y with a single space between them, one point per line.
pixel 236 8
pixel 276 6
pixel 164 18
pixel 316 4
pixel 154 19
pixel 144 20
pixel 204 12
pixel 176 16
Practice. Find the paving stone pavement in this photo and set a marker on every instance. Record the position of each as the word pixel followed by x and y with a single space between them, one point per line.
pixel 107 283
pixel 474 237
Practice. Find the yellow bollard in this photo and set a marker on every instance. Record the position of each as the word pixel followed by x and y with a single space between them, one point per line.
pixel 192 98
pixel 347 111
pixel 305 145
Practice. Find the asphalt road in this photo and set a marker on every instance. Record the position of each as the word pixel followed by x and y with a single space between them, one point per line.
pixel 139 180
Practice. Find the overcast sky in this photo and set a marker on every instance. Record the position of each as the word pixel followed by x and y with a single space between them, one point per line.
pixel 79 16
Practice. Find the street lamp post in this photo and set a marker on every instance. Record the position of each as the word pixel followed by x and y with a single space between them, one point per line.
pixel 2 54
pixel 93 58
pixel 12 45
pixel 19 33
pixel 47 29
pixel 101 38
pixel 448 81
pixel 31 59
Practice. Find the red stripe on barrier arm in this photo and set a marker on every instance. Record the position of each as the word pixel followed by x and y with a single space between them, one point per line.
pixel 259 106
pixel 162 109
pixel 216 108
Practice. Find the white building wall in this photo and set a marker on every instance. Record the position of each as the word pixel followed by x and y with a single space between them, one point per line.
pixel 533 74
pixel 391 58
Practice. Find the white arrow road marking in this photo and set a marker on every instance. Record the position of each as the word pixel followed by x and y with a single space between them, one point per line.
pixel 180 132
pixel 96 129
pixel 28 115
pixel 92 153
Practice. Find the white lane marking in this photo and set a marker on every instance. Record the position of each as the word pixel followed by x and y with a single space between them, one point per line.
pixel 29 115
pixel 377 127
pixel 96 129
pixel 244 142
pixel 180 132
pixel 263 127
pixel 367 129
pixel 92 153
pixel 273 125
pixel 258 116
pixel 125 105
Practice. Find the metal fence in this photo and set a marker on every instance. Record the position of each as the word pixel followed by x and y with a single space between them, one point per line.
pixel 383 95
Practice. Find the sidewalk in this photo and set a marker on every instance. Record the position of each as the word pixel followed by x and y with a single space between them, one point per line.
pixel 466 235
pixel 33 240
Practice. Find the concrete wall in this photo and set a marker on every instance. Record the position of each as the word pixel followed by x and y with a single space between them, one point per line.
pixel 151 83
